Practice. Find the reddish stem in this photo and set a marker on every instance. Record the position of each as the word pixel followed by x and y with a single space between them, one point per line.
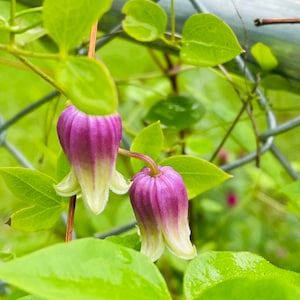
pixel 147 159
pixel 93 38
pixel 70 221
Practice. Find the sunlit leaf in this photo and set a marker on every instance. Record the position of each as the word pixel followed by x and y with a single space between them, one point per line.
pixel 86 269
pixel 69 21
pixel 5 256
pixel 35 189
pixel 148 141
pixel 207 41
pixel 30 297
pixel 199 175
pixel 241 275
pixel 264 56
pixel 88 84
pixel 145 20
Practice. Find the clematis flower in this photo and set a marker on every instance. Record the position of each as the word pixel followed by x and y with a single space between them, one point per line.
pixel 91 145
pixel 160 204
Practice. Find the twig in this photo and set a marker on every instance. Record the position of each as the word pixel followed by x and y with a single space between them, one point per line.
pixel 233 124
pixel 172 77
pixel 39 72
pixel 245 107
pixel 156 60
pixel 93 38
pixel 274 21
pixel 70 222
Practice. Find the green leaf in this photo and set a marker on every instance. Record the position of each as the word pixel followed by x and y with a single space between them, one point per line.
pixel 130 240
pixel 86 269
pixel 176 112
pixel 264 56
pixel 207 41
pixel 145 20
pixel 292 191
pixel 240 275
pixel 199 175
pixel 69 21
pixel 148 141
pixel 30 297
pixel 34 188
pixel 5 256
pixel 88 84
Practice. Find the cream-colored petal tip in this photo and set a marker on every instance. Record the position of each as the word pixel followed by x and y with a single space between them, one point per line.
pixel 118 184
pixel 69 186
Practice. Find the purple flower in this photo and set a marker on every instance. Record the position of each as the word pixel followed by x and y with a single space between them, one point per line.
pixel 91 145
pixel 232 199
pixel 160 204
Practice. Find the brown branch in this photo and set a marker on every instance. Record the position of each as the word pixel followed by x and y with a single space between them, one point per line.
pixel 246 107
pixel 70 221
pixel 273 21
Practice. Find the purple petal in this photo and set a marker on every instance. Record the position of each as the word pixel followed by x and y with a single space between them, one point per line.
pixel 91 145
pixel 142 203
pixel 173 213
pixel 160 204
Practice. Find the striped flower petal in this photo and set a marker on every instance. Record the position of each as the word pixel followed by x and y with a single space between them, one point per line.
pixel 160 205
pixel 91 145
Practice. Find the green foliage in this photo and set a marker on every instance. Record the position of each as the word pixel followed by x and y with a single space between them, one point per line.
pixel 292 191
pixel 177 112
pixel 145 20
pixel 198 175
pixel 264 56
pixel 86 268
pixel 241 275
pixel 43 206
pixel 109 269
pixel 148 141
pixel 68 24
pixel 88 84
pixel 207 41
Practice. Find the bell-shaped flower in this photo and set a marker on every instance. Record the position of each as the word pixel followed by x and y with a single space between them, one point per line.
pixel 160 204
pixel 91 145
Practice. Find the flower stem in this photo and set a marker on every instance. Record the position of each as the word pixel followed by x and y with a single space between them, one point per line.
pixel 12 21
pixel 92 43
pixel 173 21
pixel 70 222
pixel 39 72
pixel 154 171
pixel 28 11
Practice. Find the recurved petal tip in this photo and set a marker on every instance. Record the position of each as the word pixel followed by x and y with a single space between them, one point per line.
pixel 69 186
pixel 160 205
pixel 119 184
pixel 91 145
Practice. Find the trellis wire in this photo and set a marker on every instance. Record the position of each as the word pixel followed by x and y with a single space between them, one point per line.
pixel 267 137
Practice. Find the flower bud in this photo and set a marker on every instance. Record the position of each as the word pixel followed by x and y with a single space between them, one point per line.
pixel 160 204
pixel 91 145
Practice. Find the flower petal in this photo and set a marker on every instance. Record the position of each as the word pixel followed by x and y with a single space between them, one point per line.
pixel 142 200
pixel 118 184
pixel 69 186
pixel 91 145
pixel 160 204
pixel 173 208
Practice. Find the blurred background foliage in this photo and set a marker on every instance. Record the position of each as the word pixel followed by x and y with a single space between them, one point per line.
pixel 247 213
